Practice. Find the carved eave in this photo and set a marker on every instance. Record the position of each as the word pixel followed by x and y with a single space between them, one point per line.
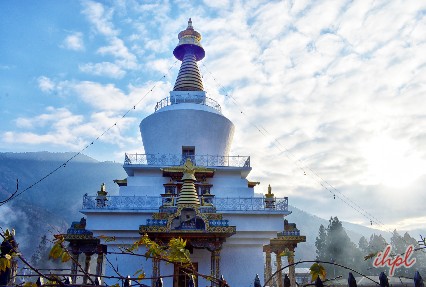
pixel 252 184
pixel 80 237
pixel 289 238
pixel 187 222
pixel 121 182
pixel 211 232
pixel 279 244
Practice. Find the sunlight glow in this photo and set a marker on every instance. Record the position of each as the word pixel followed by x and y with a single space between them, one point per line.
pixel 391 162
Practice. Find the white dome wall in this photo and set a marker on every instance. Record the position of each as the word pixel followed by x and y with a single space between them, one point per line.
pixel 165 132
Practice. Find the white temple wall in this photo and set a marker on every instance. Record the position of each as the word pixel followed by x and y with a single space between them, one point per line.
pixel 144 182
pixel 240 263
pixel 250 221
pixel 149 182
pixel 202 257
pixel 230 184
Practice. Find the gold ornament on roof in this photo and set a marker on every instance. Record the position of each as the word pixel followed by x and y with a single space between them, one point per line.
pixel 269 194
pixel 188 193
pixel 103 190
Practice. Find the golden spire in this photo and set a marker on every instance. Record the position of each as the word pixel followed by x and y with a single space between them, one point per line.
pixel 103 190
pixel 189 51
pixel 269 194
pixel 188 193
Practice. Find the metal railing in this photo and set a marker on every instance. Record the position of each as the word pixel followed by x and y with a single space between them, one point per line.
pixel 176 160
pixel 289 233
pixel 155 202
pixel 193 99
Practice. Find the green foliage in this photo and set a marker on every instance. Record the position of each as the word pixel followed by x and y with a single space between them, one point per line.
pixel 107 238
pixel 174 252
pixel 140 274
pixel 333 244
pixel 177 251
pixel 4 264
pixel 321 245
pixel 399 245
pixel 317 270
pixel 363 245
pixel 376 244
pixel 6 259
pixel 370 255
pixel 58 251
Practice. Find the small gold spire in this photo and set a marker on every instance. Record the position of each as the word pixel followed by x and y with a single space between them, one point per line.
pixel 269 194
pixel 188 193
pixel 190 24
pixel 103 190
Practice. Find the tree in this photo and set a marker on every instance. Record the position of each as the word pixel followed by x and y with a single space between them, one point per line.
pixel 376 244
pixel 340 248
pixel 333 244
pixel 363 245
pixel 41 252
pixel 363 248
pixel 320 243
pixel 420 256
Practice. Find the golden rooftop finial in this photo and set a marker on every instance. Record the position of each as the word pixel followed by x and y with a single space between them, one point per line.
pixel 188 193
pixel 269 194
pixel 189 51
pixel 103 190
pixel 188 170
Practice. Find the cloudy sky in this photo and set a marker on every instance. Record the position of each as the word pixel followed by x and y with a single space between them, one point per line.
pixel 328 97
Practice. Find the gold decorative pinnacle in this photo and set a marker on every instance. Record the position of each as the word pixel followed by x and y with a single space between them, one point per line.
pixel 188 193
pixel 269 194
pixel 103 190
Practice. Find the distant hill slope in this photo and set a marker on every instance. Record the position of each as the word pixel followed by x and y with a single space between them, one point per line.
pixel 50 206
pixel 309 224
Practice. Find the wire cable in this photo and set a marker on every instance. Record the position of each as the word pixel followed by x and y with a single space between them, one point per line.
pixel 64 164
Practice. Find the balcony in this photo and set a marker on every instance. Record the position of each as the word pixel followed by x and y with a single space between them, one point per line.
pixel 154 203
pixel 177 160
pixel 190 98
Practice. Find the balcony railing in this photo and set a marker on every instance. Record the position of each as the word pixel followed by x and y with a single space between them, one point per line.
pixel 289 233
pixel 154 203
pixel 192 99
pixel 176 160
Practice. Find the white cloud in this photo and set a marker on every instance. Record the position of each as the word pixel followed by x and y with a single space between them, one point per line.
pixel 100 17
pixel 74 42
pixel 122 59
pixel 106 69
pixel 45 84
pixel 62 128
pixel 118 50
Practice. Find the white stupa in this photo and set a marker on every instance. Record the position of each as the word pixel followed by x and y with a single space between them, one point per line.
pixel 187 185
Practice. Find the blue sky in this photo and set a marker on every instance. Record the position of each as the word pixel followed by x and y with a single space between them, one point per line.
pixel 339 84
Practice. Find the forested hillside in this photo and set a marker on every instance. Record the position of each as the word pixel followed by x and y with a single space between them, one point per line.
pixel 51 205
